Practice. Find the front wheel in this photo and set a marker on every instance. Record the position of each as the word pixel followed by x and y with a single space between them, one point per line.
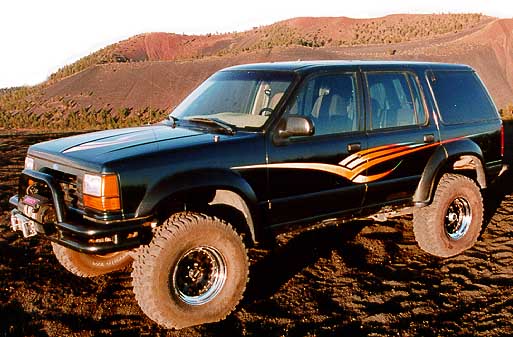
pixel 194 271
pixel 453 221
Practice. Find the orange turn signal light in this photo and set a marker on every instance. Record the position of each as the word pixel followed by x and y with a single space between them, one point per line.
pixel 110 186
pixel 102 203
pixel 109 199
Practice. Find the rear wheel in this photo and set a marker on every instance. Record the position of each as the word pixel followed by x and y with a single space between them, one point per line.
pixel 453 221
pixel 194 271
pixel 89 265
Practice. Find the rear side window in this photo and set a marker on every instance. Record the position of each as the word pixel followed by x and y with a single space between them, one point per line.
pixel 461 97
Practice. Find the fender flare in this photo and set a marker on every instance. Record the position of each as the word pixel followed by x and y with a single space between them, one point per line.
pixel 230 189
pixel 464 148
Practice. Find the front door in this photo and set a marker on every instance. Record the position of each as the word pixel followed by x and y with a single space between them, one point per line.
pixel 313 176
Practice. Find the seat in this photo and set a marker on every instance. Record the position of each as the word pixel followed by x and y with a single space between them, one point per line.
pixel 377 114
pixel 330 114
pixel 275 99
pixel 320 103
pixel 406 115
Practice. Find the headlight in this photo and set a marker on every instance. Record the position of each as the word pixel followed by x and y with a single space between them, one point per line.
pixel 101 192
pixel 93 185
pixel 29 163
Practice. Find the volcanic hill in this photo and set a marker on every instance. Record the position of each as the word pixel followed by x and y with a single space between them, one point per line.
pixel 139 79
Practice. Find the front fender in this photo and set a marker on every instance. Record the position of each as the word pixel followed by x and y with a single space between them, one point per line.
pixel 439 159
pixel 215 178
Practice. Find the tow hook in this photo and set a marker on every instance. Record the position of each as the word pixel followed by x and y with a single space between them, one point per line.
pixel 19 222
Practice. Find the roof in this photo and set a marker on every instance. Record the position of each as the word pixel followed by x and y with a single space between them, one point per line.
pixel 309 66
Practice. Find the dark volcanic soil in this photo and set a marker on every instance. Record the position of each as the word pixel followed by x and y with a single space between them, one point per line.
pixel 357 279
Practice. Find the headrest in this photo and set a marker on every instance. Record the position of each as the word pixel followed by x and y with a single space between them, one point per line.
pixel 324 91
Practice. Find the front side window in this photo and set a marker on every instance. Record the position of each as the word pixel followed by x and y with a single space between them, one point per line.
pixel 330 101
pixel 392 103
pixel 242 99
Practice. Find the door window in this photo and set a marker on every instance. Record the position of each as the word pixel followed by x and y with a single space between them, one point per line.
pixel 392 102
pixel 330 101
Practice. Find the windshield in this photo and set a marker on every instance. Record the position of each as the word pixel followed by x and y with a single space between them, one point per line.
pixel 242 99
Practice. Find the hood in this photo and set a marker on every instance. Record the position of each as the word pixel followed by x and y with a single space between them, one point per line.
pixel 103 146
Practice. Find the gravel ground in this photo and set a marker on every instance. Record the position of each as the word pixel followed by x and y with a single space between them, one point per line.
pixel 355 279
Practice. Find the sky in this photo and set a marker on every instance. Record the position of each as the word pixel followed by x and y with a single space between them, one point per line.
pixel 38 37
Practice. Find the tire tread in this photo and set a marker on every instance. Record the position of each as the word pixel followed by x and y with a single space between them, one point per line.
pixel 425 228
pixel 146 262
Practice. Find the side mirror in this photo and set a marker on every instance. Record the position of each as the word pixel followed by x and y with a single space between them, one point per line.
pixel 296 126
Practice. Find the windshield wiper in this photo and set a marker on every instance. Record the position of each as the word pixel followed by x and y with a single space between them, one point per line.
pixel 173 119
pixel 228 128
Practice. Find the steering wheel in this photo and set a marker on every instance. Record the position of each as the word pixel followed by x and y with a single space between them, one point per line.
pixel 266 111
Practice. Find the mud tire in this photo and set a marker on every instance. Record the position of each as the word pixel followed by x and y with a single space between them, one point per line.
pixel 157 265
pixel 87 265
pixel 432 225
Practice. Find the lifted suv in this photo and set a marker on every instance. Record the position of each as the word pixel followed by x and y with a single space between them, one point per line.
pixel 257 150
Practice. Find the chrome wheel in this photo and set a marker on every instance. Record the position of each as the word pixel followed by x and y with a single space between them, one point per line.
pixel 199 275
pixel 458 218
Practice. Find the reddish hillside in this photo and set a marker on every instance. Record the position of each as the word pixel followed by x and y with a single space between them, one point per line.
pixel 168 46
pixel 163 84
pixel 304 31
pixel 172 65
pixel 497 39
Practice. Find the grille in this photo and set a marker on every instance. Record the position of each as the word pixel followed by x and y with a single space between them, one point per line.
pixel 71 188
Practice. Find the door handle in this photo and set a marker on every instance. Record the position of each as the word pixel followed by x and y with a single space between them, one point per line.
pixel 354 147
pixel 429 138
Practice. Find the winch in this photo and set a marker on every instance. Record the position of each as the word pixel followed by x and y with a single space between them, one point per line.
pixel 33 211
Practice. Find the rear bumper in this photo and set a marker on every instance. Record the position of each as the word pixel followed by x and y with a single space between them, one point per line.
pixel 92 237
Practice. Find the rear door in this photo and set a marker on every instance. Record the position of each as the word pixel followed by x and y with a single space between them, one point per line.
pixel 308 177
pixel 401 138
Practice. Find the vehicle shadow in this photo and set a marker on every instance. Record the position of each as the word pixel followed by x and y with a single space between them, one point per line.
pixel 272 268
pixel 277 265
pixel 495 194
pixel 503 186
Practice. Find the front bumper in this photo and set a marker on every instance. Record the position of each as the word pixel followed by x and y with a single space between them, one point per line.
pixel 78 233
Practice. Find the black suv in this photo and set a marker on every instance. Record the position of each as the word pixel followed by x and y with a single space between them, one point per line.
pixel 257 150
